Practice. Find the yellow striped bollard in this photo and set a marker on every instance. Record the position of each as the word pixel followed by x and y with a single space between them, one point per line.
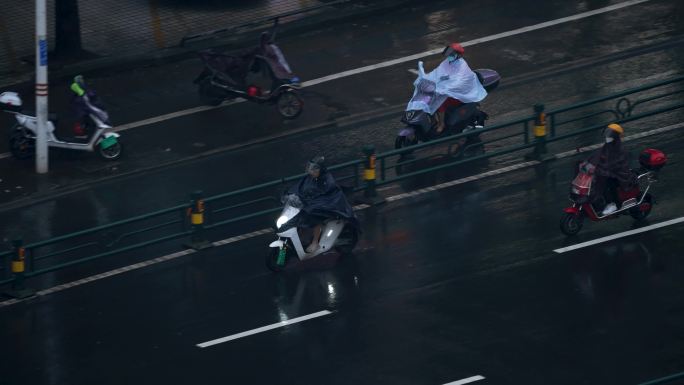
pixel 18 267
pixel 540 151
pixel 198 240
pixel 370 194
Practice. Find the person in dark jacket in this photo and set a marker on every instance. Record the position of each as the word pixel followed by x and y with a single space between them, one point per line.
pixel 322 199
pixel 612 168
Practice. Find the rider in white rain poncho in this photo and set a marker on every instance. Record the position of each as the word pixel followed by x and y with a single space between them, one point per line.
pixel 450 84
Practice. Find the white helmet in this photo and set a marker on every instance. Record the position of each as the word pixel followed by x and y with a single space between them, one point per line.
pixel 10 99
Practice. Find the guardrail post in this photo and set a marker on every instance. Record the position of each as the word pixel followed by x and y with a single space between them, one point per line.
pixel 370 195
pixel 198 241
pixel 539 152
pixel 18 266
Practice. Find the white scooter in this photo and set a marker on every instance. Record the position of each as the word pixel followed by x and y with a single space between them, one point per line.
pixel 23 135
pixel 336 234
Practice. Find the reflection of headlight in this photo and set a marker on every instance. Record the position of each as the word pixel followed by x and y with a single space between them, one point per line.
pixel 281 221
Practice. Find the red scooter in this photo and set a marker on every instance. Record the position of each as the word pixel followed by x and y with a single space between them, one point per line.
pixel 635 201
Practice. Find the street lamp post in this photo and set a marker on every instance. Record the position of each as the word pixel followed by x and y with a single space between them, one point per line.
pixel 41 88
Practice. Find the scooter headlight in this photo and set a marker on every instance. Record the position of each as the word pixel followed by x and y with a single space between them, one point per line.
pixel 281 221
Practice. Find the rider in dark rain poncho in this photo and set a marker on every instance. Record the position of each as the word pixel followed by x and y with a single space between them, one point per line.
pixel 612 168
pixel 322 199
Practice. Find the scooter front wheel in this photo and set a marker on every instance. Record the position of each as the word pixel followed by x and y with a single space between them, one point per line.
pixel 112 152
pixel 571 224
pixel 404 141
pixel 289 104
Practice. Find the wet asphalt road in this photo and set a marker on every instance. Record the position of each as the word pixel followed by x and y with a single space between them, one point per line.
pixel 151 91
pixel 443 286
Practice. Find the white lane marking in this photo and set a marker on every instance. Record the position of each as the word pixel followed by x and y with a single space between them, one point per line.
pixel 474 42
pixel 388 63
pixel 620 235
pixel 356 208
pixel 415 72
pixel 466 380
pixel 176 114
pixel 263 329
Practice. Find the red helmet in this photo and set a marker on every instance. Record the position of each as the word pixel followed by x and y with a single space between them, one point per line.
pixel 453 48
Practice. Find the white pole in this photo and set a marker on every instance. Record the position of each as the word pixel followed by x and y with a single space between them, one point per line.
pixel 41 88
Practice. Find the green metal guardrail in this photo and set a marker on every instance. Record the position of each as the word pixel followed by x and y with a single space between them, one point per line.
pixel 199 215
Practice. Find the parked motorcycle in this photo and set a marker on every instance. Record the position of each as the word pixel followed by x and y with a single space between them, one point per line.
pixel 23 133
pixel 636 201
pixel 224 76
pixel 336 234
pixel 421 126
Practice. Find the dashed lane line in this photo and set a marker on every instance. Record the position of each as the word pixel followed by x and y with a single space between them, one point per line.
pixel 264 328
pixel 619 235
pixel 466 380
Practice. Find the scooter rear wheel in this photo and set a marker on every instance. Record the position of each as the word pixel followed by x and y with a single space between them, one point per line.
pixel 289 104
pixel 21 146
pixel 571 224
pixel 639 213
pixel 350 237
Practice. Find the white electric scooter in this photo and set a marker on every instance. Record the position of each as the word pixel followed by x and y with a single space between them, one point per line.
pixel 336 234
pixel 23 135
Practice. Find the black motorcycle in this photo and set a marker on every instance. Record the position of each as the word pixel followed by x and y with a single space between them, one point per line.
pixel 224 76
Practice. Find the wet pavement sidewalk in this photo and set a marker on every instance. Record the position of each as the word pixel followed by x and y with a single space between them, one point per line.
pixel 114 30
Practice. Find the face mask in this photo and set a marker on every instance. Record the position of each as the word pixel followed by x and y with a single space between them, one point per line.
pixel 609 136
pixel 452 58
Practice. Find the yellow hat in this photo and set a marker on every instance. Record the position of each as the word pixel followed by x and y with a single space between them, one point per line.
pixel 617 128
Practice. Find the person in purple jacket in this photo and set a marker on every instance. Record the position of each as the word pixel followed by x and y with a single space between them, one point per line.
pixel 84 102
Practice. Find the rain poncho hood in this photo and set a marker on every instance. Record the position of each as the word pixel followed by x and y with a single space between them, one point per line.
pixel 322 197
pixel 450 80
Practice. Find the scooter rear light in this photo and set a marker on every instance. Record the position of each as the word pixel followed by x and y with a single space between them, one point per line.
pixel 253 91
